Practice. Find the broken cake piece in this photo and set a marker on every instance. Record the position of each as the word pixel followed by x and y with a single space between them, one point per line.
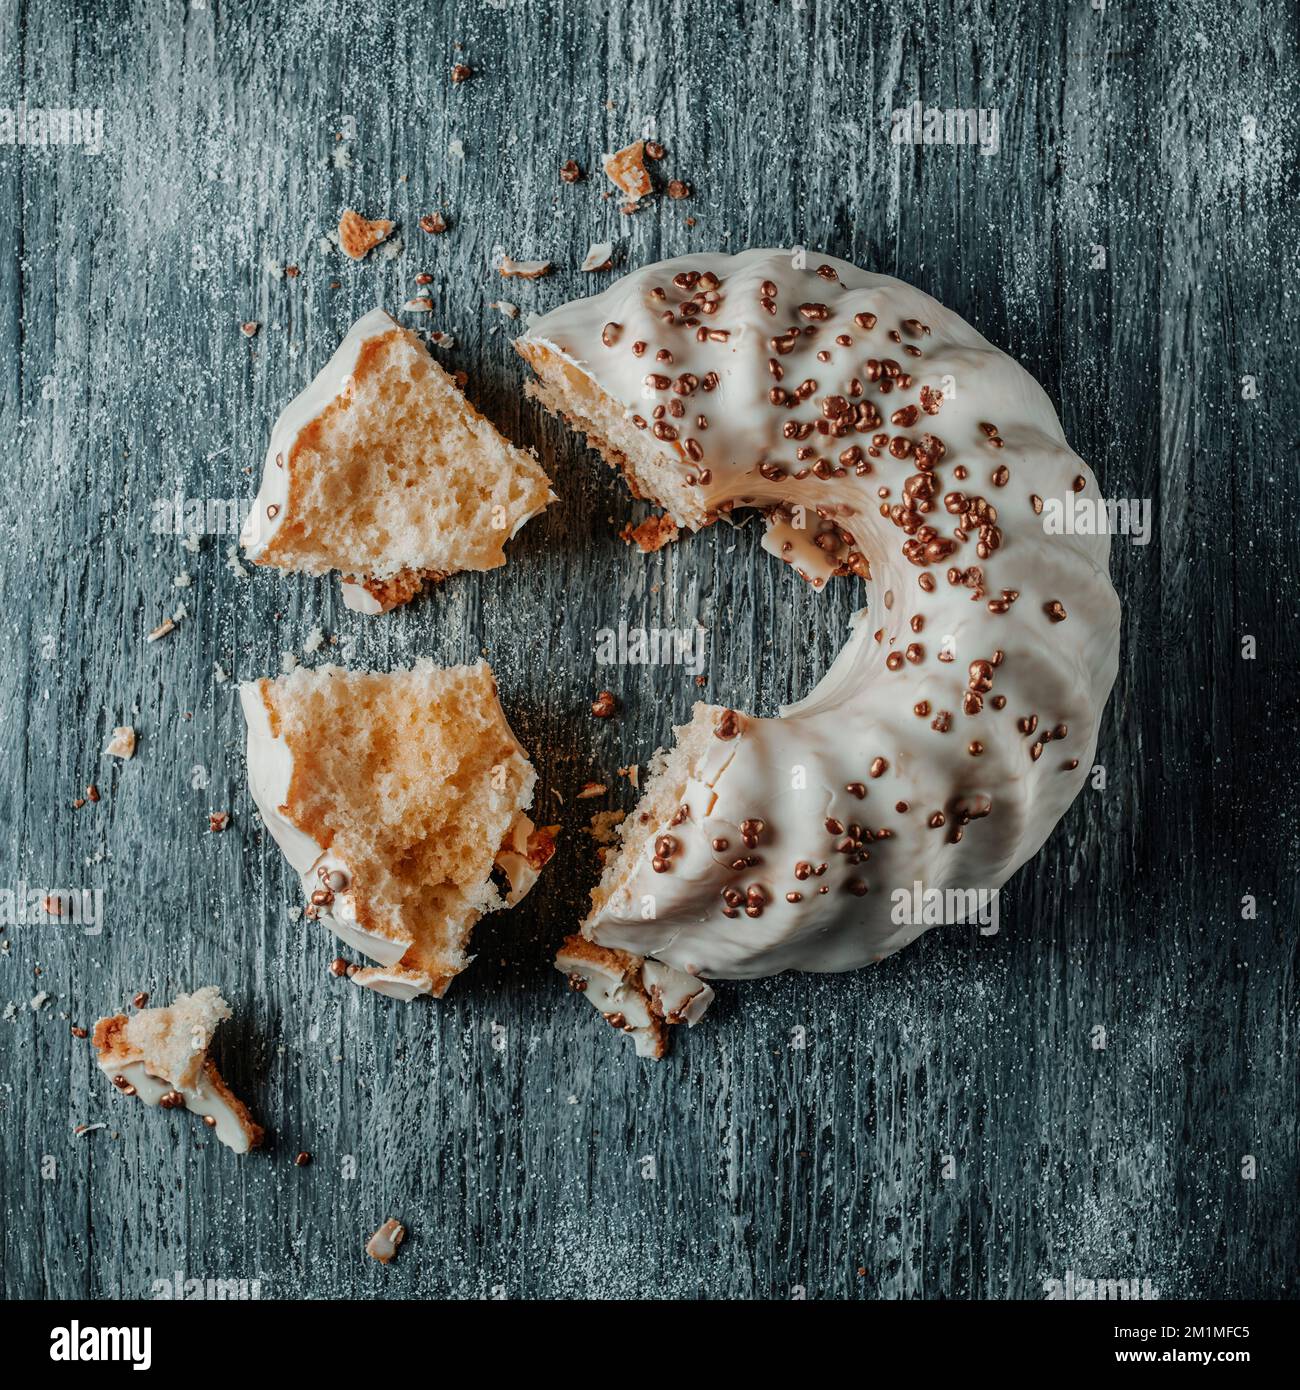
pixel 637 996
pixel 161 1055
pixel 395 796
pixel 381 469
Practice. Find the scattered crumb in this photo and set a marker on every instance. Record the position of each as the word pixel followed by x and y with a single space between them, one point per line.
pixel 633 774
pixel 591 790
pixel 288 663
pixel 523 270
pixel 218 821
pixel 122 744
pixel 626 170
pixel 421 304
pixel 599 256
pixel 605 705
pixel 249 329
pixel 168 625
pixel 39 1001
pixel 570 172
pixel 678 189
pixel 315 640
pixel 382 1246
pixel 358 236
pixel 461 72
pixel 652 534
pixel 504 306
pixel 219 673
pixel 433 223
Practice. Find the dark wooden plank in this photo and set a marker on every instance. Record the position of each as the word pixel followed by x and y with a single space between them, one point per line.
pixel 503 1124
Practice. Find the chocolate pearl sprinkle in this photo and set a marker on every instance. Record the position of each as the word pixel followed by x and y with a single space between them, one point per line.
pixel 857 789
pixel 719 843
pixel 879 766
pixel 901 807
pixel 609 335
pixel 1055 610
pixel 937 820
pixel 856 887
pixel 794 897
pixel 834 827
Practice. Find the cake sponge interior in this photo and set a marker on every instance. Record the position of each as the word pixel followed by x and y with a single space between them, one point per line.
pixel 415 781
pixel 398 472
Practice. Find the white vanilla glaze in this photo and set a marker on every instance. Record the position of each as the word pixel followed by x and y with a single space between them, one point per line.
pixel 799 774
pixel 270 772
pixel 200 1096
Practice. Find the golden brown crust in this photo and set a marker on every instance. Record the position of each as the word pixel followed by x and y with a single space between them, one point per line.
pixel 109 1041
pixel 586 952
pixel 254 1131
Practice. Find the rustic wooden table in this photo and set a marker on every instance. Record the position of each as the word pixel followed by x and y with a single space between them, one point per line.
pixel 952 1124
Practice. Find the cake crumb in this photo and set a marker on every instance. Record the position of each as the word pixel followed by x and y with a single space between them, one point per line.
pixel 358 235
pixel 122 744
pixel 382 1246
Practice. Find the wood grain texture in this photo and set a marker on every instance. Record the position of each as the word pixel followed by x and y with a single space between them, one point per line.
pixel 505 1125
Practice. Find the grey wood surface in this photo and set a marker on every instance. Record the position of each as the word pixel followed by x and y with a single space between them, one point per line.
pixel 528 1152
